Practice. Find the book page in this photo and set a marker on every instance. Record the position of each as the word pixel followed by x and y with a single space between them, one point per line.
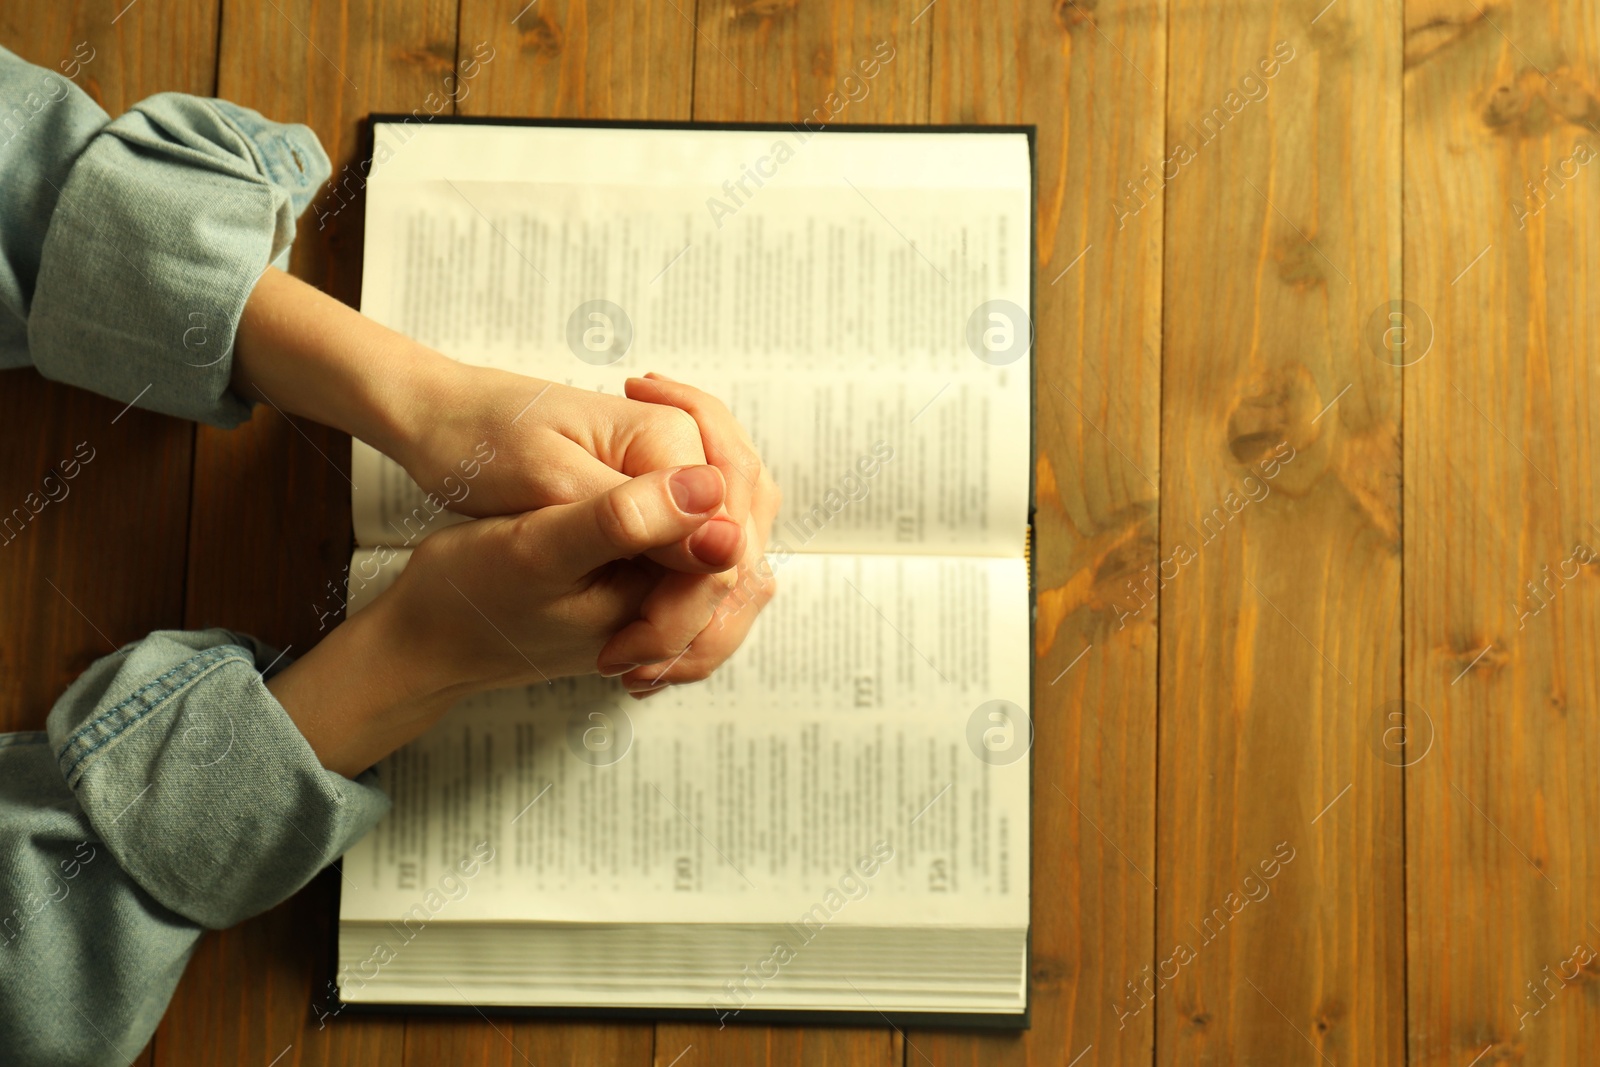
pixel 863 310
pixel 866 752
pixel 387 507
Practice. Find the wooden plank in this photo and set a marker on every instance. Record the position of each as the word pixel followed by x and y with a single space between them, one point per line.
pixel 1279 925
pixel 789 62
pixel 500 1041
pixel 777 1046
pixel 1501 227
pixel 596 59
pixel 1093 86
pixel 271 521
pixel 78 578
pixel 570 59
pixel 784 61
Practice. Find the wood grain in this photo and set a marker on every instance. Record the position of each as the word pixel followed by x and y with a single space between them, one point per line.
pixel 1093 85
pixel 579 59
pixel 786 61
pixel 1252 677
pixel 776 1046
pixel 1279 925
pixel 271 522
pixel 1502 611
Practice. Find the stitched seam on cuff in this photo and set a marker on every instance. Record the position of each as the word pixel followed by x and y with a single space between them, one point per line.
pixel 103 728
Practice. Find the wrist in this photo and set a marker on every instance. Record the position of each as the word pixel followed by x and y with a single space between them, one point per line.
pixel 364 690
pixel 396 644
pixel 396 404
pixel 444 419
pixel 308 354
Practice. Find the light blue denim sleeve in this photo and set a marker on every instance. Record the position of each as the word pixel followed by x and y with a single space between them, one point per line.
pixel 170 792
pixel 128 245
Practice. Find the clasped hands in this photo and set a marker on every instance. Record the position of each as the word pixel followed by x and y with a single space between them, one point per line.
pixel 620 535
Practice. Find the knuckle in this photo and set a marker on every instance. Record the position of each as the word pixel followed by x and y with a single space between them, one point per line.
pixel 521 538
pixel 761 579
pixel 715 405
pixel 677 424
pixel 558 486
pixel 622 522
pixel 692 672
pixel 748 461
pixel 659 648
pixel 749 593
pixel 688 396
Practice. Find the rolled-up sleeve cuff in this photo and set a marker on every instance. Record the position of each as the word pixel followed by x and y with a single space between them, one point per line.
pixel 164 224
pixel 198 781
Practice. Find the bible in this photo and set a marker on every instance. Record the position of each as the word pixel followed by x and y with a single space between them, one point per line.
pixel 836 825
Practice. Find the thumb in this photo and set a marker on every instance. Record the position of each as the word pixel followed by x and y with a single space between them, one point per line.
pixel 652 511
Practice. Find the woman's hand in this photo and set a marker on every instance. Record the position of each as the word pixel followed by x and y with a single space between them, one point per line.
pixel 306 353
pixel 553 444
pixel 752 501
pixel 500 602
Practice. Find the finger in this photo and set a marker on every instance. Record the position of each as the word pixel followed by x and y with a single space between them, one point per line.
pixel 647 436
pixel 672 615
pixel 715 546
pixel 764 507
pixel 753 588
pixel 630 436
pixel 617 593
pixel 653 511
pixel 708 651
pixel 728 627
pixel 727 446
pixel 736 457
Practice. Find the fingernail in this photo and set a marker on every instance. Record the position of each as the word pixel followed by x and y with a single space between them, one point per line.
pixel 661 377
pixel 697 490
pixel 611 670
pixel 649 694
pixel 715 543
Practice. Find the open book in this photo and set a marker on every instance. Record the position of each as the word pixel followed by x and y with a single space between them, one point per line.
pixel 838 821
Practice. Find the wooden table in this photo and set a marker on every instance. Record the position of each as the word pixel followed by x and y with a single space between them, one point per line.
pixel 1338 671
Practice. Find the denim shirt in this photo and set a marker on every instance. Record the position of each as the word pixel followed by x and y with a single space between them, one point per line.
pixel 170 791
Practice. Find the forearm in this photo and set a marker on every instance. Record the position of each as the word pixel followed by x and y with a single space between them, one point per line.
pixel 308 354
pixel 359 694
pixel 364 690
